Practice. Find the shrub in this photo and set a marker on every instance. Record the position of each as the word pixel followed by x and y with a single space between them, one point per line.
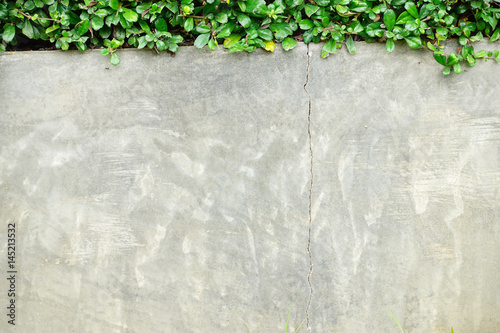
pixel 246 25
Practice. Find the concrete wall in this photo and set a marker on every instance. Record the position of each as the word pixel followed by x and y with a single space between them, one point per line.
pixel 200 192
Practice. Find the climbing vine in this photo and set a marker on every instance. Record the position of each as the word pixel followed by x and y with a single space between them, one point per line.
pixel 239 25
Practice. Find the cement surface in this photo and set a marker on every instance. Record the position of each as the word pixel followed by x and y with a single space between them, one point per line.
pixel 174 194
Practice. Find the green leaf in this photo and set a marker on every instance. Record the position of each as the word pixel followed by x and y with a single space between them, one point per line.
pixel 389 45
pixel 28 30
pixel 306 24
pixel 115 60
pixel 2 47
pixel 202 29
pixel 440 58
pixel 414 42
pixel 310 9
pixel 389 19
pixel 457 68
pixel 480 54
pixel 471 60
pixel 253 6
pixel 226 30
pixel 52 28
pixel 329 47
pixel 114 4
pixel 189 24
pixel 281 30
pixel 411 8
pixel 201 40
pixel 104 51
pixel 231 40
pixel 244 20
pixel 462 40
pixel 9 32
pixel 265 34
pixel 288 43
pixel 495 35
pixel 130 15
pixel 221 18
pixel 351 47
pixel 452 59
pixel 97 23
pixel 161 25
pixel 212 45
pixel 83 27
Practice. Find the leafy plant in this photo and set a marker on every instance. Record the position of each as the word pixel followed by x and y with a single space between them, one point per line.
pixel 287 320
pixel 245 25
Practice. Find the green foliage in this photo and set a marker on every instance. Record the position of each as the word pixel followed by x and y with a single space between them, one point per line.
pixel 245 25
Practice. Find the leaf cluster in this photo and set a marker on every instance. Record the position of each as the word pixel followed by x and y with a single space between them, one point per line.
pixel 245 25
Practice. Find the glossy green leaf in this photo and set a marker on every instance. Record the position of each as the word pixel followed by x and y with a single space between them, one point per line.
pixel 414 42
pixel 446 71
pixel 457 68
pixel 97 23
pixel 288 43
pixel 202 29
pixel 9 33
pixel 329 47
pixel 452 59
pixel 189 24
pixel 389 45
pixel 28 29
pixel 130 15
pixel 161 25
pixel 115 60
pixel 310 9
pixel 306 24
pixel 440 58
pixel 495 35
pixel 231 40
pixel 254 6
pixel 411 8
pixel 221 18
pixel 114 4
pixel 351 46
pixel 389 19
pixel 244 20
pixel 201 40
pixel 480 54
pixel 265 34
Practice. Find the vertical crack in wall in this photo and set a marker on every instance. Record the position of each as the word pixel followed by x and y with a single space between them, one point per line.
pixel 310 192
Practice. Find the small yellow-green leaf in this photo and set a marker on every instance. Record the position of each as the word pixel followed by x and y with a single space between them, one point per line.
pixel 269 45
pixel 231 40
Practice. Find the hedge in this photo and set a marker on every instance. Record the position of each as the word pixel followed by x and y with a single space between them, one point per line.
pixel 247 25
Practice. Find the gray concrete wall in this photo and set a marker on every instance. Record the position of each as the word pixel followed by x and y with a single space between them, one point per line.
pixel 200 192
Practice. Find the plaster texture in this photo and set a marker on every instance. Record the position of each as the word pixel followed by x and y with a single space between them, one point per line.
pixel 195 193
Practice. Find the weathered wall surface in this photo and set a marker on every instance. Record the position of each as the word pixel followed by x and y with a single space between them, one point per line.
pixel 174 194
